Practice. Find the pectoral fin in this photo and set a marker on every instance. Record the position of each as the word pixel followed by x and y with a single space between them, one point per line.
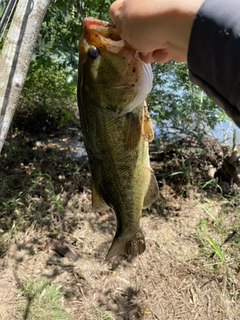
pixel 147 124
pixel 98 203
pixel 134 129
pixel 152 193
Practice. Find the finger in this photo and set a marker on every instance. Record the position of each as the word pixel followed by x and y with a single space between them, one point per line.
pixel 146 57
pixel 115 10
pixel 161 56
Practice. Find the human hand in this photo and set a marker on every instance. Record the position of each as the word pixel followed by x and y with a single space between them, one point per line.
pixel 158 29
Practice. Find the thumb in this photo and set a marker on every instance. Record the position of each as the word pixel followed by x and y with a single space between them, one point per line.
pixel 160 56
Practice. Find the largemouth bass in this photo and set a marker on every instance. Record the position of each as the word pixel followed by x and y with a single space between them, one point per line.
pixel 112 86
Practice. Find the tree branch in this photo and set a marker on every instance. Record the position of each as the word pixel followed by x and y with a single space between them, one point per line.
pixel 15 57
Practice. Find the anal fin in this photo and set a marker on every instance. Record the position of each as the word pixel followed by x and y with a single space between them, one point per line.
pixel 98 203
pixel 152 192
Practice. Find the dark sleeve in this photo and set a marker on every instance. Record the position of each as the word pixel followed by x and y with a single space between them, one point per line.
pixel 214 54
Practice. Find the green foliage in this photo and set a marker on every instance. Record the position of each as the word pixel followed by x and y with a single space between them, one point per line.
pixel 47 96
pixel 52 77
pixel 2 6
pixel 46 85
pixel 61 30
pixel 177 103
pixel 5 26
pixel 57 41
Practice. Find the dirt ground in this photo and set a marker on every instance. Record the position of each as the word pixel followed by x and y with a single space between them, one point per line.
pixel 49 231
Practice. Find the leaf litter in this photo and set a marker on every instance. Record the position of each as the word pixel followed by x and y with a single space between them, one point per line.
pixel 49 232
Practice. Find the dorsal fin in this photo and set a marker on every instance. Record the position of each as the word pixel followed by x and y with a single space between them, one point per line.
pixel 134 129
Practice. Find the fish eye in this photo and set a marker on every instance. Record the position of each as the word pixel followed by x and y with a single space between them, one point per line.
pixel 93 52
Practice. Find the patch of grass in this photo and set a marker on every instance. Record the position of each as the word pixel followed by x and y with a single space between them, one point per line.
pixel 217 234
pixel 44 179
pixel 35 202
pixel 106 316
pixel 42 300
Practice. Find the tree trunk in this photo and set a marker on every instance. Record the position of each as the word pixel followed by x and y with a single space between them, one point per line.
pixel 15 57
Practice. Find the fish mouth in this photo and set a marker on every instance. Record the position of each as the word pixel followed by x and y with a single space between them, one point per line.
pixel 106 29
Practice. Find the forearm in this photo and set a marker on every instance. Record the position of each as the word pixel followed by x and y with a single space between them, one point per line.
pixel 214 53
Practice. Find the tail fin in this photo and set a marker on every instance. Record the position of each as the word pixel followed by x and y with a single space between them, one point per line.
pixel 131 246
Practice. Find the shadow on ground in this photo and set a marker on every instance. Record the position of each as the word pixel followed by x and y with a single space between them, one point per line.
pixel 48 230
